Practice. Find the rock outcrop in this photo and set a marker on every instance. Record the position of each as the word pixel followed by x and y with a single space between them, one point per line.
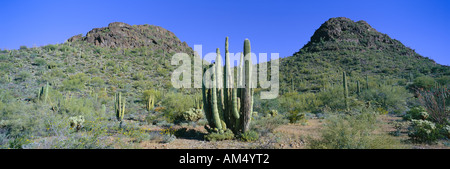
pixel 122 35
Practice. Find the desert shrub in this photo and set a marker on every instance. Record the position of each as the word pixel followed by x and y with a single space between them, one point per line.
pixel 295 116
pixel 332 98
pixel 435 102
pixel 93 71
pixel 168 135
pixel 175 103
pixel 168 138
pixel 424 82
pixel 192 115
pixel 446 131
pixel 50 47
pixel 423 131
pixel 249 136
pixel 97 82
pixel 151 93
pixel 352 132
pixel 272 113
pixel 40 62
pixel 138 76
pixel 416 113
pixel 23 76
pixel 216 136
pixel 399 126
pixel 390 98
pixel 382 111
pixel 444 80
pixel 75 82
pixel 307 102
pixel 266 125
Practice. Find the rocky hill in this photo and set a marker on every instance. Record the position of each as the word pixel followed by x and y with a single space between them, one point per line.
pixel 122 35
pixel 341 44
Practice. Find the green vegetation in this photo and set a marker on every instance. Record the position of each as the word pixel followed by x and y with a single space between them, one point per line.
pixel 353 132
pixel 72 95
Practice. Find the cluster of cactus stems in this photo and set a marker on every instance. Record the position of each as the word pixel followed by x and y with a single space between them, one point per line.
pixel 119 107
pixel 43 93
pixel 229 103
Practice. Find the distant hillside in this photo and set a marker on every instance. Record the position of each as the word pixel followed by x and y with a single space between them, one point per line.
pixel 119 57
pixel 341 44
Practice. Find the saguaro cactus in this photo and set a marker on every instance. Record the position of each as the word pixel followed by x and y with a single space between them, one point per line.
pixel 119 107
pixel 150 103
pixel 344 79
pixel 228 104
pixel 358 88
pixel 43 93
pixel 367 82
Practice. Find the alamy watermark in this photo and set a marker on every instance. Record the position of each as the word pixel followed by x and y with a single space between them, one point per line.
pixel 182 76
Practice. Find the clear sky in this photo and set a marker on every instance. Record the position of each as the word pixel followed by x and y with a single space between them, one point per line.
pixel 272 26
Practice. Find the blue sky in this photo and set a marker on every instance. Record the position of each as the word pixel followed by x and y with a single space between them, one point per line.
pixel 272 26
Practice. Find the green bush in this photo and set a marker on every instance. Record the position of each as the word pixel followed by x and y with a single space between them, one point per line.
pixel 295 116
pixel 76 82
pixel 192 115
pixel 390 98
pixel 416 113
pixel 175 104
pixel 307 102
pixel 423 131
pixel 40 62
pixel 23 76
pixel 352 132
pixel 249 136
pixel 215 136
pixel 97 82
pixel 424 82
pixel 266 125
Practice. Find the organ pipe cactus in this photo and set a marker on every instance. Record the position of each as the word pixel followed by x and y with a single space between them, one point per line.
pixel 229 103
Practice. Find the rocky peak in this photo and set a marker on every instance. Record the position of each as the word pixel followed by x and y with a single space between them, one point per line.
pixel 122 35
pixel 340 28
pixel 356 34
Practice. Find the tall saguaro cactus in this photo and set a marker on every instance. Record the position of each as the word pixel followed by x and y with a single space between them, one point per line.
pixel 344 79
pixel 229 103
pixel 119 107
